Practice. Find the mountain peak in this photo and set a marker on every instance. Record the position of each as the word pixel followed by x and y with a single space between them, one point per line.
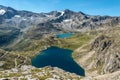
pixel 82 13
pixel 5 8
pixel 1 6
pixel 67 10
pixel 2 11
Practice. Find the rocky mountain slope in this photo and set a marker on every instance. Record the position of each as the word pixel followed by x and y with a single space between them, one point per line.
pixel 107 54
pixel 101 57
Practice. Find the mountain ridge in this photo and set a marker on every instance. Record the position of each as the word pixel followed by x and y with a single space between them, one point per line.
pixel 27 22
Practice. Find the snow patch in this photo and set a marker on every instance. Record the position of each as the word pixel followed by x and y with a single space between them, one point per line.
pixel 31 18
pixel 62 13
pixel 17 16
pixel 24 19
pixel 68 20
pixel 2 11
pixel 48 15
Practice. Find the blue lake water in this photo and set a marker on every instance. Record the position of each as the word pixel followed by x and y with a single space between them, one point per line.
pixel 58 57
pixel 64 35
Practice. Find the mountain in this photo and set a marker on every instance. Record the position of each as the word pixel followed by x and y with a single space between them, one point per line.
pixel 20 24
pixel 64 19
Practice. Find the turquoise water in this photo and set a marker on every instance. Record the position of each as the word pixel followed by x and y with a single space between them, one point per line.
pixel 58 57
pixel 64 35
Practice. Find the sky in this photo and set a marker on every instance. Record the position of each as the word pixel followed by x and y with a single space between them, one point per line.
pixel 92 7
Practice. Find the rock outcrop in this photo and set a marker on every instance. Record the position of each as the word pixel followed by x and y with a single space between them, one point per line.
pixel 107 57
pixel 28 72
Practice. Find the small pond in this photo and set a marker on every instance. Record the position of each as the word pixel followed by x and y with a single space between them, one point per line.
pixel 64 35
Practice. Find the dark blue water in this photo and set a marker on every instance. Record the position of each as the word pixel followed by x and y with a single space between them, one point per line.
pixel 64 35
pixel 58 57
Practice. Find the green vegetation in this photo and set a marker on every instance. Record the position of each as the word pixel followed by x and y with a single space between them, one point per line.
pixel 72 43
pixel 75 41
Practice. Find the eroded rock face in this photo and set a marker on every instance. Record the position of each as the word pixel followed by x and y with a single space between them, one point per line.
pixel 107 57
pixel 112 61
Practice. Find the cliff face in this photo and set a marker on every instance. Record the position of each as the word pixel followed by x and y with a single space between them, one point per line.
pixel 107 56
